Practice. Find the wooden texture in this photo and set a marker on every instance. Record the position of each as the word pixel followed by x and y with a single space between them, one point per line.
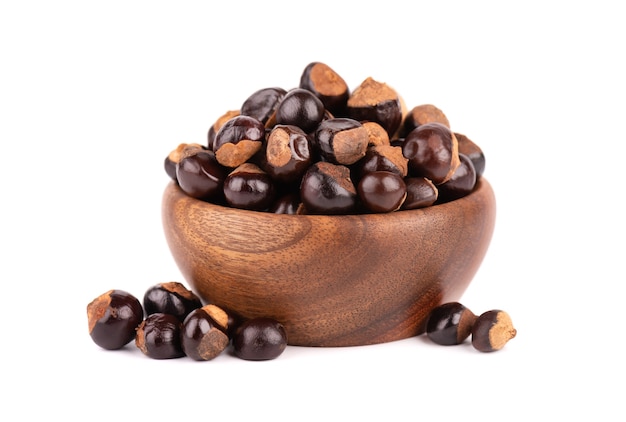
pixel 331 280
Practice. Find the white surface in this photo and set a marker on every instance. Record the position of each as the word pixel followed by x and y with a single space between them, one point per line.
pixel 92 98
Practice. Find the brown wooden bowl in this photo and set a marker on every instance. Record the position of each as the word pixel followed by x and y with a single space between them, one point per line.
pixel 331 280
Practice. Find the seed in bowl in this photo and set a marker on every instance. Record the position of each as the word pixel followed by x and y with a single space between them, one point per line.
pixel 262 104
pixel 327 85
pixel 420 193
pixel 473 151
pixel 174 157
pixel 200 176
pixel 422 114
pixel 326 188
pixel 301 108
pixel 376 101
pixel 461 183
pixel 432 151
pixel 341 140
pixel 384 158
pixel 286 133
pixel 287 154
pixel 238 140
pixel 382 191
pixel 249 187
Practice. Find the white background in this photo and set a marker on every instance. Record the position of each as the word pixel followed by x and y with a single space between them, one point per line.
pixel 93 95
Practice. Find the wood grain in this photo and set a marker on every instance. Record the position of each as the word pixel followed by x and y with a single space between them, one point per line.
pixel 331 280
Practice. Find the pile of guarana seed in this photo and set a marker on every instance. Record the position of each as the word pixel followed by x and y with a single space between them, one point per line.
pixel 322 148
pixel 172 322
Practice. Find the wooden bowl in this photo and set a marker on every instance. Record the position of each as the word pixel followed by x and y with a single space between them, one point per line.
pixel 331 280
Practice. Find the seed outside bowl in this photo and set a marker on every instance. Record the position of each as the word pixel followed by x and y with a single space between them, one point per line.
pixel 332 281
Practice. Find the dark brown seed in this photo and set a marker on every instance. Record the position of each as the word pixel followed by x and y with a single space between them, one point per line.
pixel 158 337
pixel 450 324
pixel 215 127
pixel 204 333
pixel 432 151
pixel 376 102
pixel 341 140
pixel 461 183
pixel 327 85
pixel 113 318
pixel 248 187
pixel 384 158
pixel 200 176
pixel 260 339
pixel 327 188
pixel 381 191
pixel 174 157
pixel 422 114
pixel 420 193
pixel 262 104
pixel 287 154
pixel 301 108
pixel 171 298
pixel 238 140
pixel 473 151
pixel 492 330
